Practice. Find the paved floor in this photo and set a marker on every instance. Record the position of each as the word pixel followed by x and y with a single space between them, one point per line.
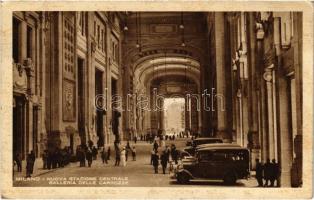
pixel 135 173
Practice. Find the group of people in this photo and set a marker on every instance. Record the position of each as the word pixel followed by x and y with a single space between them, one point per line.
pixel 122 153
pixel 56 158
pixel 164 156
pixel 268 172
pixel 51 159
pixel 30 162
pixel 84 153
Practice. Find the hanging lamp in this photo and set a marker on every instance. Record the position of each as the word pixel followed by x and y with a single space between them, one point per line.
pixel 125 28
pixel 182 31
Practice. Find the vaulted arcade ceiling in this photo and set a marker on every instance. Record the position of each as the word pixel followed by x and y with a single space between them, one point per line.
pixel 159 36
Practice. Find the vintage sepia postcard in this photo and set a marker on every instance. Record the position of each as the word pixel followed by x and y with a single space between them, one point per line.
pixel 156 99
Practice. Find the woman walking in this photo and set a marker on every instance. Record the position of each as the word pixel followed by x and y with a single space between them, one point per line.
pixel 123 157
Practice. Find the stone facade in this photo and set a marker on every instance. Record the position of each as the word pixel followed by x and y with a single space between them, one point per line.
pixel 260 54
pixel 62 61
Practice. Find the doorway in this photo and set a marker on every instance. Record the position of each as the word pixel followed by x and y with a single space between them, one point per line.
pixel 80 102
pixel 19 126
pixel 99 112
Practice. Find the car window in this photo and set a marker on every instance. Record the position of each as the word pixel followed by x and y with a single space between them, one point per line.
pixel 219 156
pixel 205 156
pixel 237 155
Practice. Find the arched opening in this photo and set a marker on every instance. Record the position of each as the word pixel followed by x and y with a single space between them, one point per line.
pixel 174 118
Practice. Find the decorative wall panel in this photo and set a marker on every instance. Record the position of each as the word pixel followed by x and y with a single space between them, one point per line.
pixel 69 101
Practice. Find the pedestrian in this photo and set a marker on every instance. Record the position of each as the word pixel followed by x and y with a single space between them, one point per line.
pixel 174 154
pixel 45 159
pixel 155 146
pixel 155 161
pixel 89 157
pixel 167 153
pixel 118 156
pixel 49 160
pixel 275 173
pixel 259 173
pixel 134 154
pixel 126 149
pixel 151 156
pixel 267 172
pixel 135 139
pixel 83 157
pixel 162 142
pixel 18 161
pixel 30 161
pixel 123 157
pixel 94 152
pixel 79 155
pixel 128 145
pixel 164 161
pixel 104 156
pixel 57 158
pixel 108 153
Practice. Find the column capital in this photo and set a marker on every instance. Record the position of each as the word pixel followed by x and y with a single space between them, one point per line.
pixel 259 31
pixel 268 74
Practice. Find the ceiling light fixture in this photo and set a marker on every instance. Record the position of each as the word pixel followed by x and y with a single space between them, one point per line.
pixel 182 31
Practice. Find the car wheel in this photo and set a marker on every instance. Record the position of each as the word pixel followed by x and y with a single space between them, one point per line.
pixel 183 179
pixel 230 179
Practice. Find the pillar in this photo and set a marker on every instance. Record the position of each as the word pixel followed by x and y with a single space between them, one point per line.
pixel 162 116
pixel 254 142
pixel 272 138
pixel 220 76
pixel 260 90
pixel 187 114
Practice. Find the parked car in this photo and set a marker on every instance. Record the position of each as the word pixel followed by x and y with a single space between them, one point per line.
pixel 200 141
pixel 222 162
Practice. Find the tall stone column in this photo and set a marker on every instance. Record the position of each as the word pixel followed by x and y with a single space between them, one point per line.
pixel 240 136
pixel 261 93
pixel 254 142
pixel 162 116
pixel 220 76
pixel 272 139
pixel 29 106
pixel 42 66
pixel 194 114
pixel 298 140
pixel 243 72
pixel 285 132
pixel 187 115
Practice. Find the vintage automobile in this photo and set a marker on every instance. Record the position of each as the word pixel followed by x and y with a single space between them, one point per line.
pixel 200 141
pixel 225 162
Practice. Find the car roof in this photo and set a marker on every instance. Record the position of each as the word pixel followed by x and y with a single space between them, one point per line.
pixel 207 138
pixel 217 145
pixel 227 147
